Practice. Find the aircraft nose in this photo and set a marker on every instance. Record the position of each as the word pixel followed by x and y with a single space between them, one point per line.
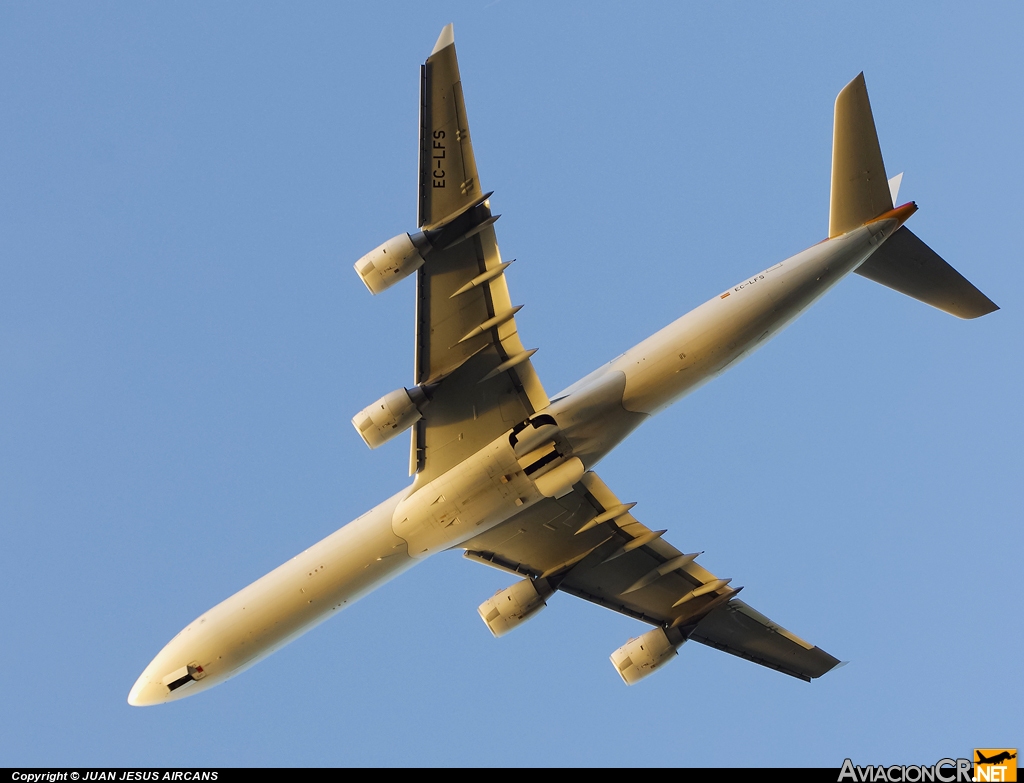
pixel 168 678
pixel 146 692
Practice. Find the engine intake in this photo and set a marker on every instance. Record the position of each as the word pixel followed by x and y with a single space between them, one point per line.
pixel 395 260
pixel 644 654
pixel 513 605
pixel 389 416
pixel 400 256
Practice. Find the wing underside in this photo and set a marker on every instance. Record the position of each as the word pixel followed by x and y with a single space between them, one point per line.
pixel 624 566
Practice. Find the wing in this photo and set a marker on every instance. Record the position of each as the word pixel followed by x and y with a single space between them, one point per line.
pixel 468 353
pixel 624 566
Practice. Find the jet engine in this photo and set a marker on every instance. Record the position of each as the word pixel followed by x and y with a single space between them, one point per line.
pixel 400 256
pixel 389 416
pixel 642 655
pixel 511 606
pixel 395 260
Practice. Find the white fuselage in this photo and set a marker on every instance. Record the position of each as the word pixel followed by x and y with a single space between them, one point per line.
pixel 595 413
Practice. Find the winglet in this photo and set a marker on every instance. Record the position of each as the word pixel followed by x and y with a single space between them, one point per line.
pixel 446 38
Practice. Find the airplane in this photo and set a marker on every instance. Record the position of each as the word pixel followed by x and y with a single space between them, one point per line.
pixel 505 472
pixel 996 759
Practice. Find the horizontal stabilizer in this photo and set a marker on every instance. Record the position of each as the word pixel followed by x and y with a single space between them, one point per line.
pixel 906 264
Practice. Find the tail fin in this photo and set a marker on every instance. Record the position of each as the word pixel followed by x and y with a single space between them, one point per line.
pixel 860 191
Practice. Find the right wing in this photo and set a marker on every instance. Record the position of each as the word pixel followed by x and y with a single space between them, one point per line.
pixel 468 352
pixel 628 568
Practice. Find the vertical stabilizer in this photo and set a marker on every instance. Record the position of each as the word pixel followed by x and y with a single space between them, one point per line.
pixel 860 191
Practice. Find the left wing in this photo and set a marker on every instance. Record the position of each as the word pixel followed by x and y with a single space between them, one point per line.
pixel 624 566
pixel 469 357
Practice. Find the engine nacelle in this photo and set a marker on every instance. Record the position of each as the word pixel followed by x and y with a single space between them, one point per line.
pixel 640 656
pixel 396 259
pixel 511 606
pixel 391 415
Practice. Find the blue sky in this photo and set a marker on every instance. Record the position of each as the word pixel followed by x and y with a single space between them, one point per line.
pixel 183 341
